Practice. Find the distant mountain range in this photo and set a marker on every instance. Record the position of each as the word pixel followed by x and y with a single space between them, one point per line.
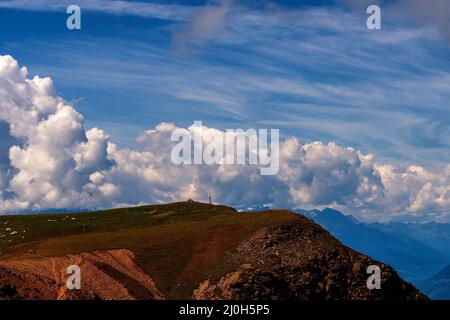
pixel 438 287
pixel 417 251
pixel 47 211
pixel 435 235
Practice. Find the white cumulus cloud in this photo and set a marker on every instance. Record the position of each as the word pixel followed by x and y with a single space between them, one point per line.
pixel 48 160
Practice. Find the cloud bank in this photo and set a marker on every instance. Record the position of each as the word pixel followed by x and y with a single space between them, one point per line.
pixel 48 160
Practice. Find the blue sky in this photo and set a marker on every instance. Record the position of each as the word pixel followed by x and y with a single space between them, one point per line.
pixel 331 80
pixel 309 68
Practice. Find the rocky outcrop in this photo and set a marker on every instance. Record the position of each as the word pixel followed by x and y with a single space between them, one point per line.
pixel 302 261
pixel 110 274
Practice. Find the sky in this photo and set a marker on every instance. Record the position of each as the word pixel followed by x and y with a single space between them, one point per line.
pixel 363 114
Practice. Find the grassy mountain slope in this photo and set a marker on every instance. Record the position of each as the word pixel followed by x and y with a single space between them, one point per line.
pixel 179 244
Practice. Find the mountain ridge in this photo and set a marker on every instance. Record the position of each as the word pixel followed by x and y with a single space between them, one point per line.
pixel 191 250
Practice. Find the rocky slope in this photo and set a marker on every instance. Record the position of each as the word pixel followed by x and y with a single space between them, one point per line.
pixel 300 260
pixel 109 274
